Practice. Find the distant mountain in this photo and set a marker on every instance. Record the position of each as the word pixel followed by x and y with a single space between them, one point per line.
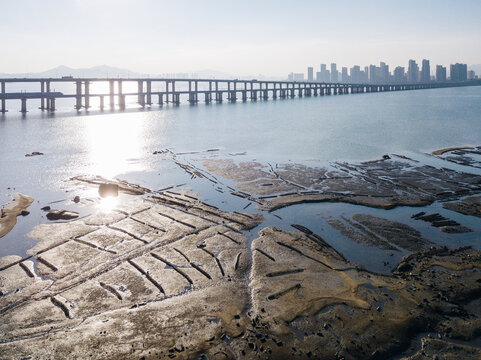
pixel 62 70
pixel 113 72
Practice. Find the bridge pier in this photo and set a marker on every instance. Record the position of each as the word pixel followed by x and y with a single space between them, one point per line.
pixel 149 92
pixel 140 93
pixel 101 103
pixel 208 97
pixel 51 104
pixel 24 106
pixel 244 95
pixel 176 98
pixel 111 94
pixel 282 94
pixel 232 97
pixel 121 97
pixel 42 99
pixel 87 95
pixel 161 99
pixel 78 98
pixel 3 110
pixel 218 96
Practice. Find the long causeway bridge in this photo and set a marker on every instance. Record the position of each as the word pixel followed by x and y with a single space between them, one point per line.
pixel 169 90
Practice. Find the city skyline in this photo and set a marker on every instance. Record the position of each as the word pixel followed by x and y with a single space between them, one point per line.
pixel 413 73
pixel 269 37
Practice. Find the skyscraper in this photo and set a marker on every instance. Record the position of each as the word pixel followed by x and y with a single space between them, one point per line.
pixel 345 77
pixel 334 73
pixel 356 75
pixel 440 73
pixel 425 72
pixel 413 71
pixel 325 75
pixel 458 72
pixel 399 75
pixel 310 74
pixel 384 75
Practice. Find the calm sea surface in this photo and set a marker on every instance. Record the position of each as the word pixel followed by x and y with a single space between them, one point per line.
pixel 312 130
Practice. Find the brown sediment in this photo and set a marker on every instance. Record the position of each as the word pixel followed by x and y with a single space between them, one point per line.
pixel 9 213
pixel 468 206
pixel 123 186
pixel 442 151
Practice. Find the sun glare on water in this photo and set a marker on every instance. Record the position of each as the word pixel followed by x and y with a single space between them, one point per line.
pixel 114 145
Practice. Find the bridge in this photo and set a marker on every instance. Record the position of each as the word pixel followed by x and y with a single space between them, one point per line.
pixel 170 90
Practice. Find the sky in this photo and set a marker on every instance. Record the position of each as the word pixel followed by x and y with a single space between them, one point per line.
pixel 269 37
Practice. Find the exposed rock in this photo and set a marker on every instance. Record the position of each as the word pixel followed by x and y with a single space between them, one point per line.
pixel 35 153
pixel 62 215
pixel 9 213
pixel 123 186
pixel 442 151
pixel 46 208
pixel 439 349
pixel 385 183
pixel 467 156
pixel 76 199
pixel 444 224
pixel 468 206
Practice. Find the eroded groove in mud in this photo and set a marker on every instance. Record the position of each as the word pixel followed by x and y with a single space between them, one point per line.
pixel 61 306
pixel 177 221
pixel 46 263
pixel 111 289
pixel 182 254
pixel 94 246
pixel 27 270
pixel 284 292
pixel 228 237
pixel 199 269
pixel 174 267
pixel 237 259
pixel 216 260
pixel 14 263
pixel 265 254
pixel 146 224
pixel 302 254
pixel 284 272
pixel 127 233
pixel 147 276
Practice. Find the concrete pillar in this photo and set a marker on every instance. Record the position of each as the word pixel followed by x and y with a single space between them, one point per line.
pixel 218 95
pixel 101 102
pixel 254 95
pixel 140 93
pixel 52 104
pixel 87 95
pixel 167 92
pixel 161 99
pixel 121 97
pixel 176 97
pixel 111 93
pixel 149 92
pixel 78 97
pixel 244 95
pixel 208 96
pixel 42 99
pixel 3 109
pixel 24 106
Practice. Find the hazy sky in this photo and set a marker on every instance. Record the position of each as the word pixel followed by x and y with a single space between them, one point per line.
pixel 272 37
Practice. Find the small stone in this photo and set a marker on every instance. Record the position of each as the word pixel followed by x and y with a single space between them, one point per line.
pixel 25 212
pixel 76 199
pixel 45 208
pixel 62 215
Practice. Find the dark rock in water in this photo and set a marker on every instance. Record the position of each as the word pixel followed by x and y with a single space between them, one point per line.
pixel 62 215
pixel 35 153
pixel 76 199
pixel 386 157
pixel 108 190
pixel 25 212
pixel 45 208
pixel 468 206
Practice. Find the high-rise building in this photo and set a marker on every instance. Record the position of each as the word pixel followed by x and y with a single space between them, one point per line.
pixel 373 74
pixel 425 71
pixel 384 75
pixel 334 73
pixel 356 75
pixel 295 77
pixel 471 75
pixel 413 71
pixel 325 75
pixel 458 72
pixel 399 76
pixel 310 74
pixel 319 76
pixel 440 73
pixel 344 75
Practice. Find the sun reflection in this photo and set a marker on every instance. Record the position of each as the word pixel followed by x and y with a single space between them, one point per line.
pixel 107 204
pixel 114 145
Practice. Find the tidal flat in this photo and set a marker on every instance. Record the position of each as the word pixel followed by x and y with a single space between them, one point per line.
pixel 367 260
